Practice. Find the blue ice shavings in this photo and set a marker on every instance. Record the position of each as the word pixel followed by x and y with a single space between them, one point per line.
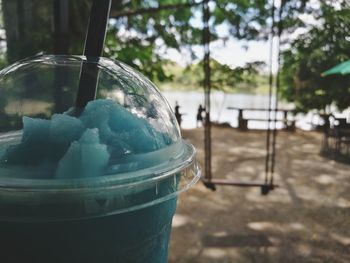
pixel 84 158
pixel 96 115
pixel 85 146
pixel 122 130
pixel 64 129
pixel 33 147
pixel 44 139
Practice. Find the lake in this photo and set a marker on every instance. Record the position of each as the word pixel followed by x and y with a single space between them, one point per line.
pixel 190 100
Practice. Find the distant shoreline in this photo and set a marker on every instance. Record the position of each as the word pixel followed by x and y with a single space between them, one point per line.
pixel 254 91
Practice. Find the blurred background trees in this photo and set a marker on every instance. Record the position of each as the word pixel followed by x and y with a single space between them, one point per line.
pixel 138 29
pixel 49 26
pixel 249 78
pixel 321 47
pixel 141 31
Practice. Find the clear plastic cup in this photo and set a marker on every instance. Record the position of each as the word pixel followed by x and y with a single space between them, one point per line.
pixel 121 215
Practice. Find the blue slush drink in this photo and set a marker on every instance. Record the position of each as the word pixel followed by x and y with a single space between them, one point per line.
pixel 98 187
pixel 138 237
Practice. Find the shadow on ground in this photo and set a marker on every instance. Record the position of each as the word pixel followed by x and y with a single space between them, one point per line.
pixel 306 219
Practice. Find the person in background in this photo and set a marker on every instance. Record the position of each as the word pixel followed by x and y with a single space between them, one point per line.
pixel 199 115
pixel 178 115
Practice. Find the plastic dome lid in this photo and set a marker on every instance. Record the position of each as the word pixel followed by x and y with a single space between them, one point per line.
pixel 123 152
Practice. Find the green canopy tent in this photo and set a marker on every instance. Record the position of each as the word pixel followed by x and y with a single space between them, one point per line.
pixel 337 136
pixel 342 68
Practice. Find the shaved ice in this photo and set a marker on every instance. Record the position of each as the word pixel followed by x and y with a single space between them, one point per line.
pixel 84 146
pixel 84 158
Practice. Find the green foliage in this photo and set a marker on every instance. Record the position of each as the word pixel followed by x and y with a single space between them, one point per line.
pixel 138 54
pixel 323 47
pixel 135 39
pixel 246 79
pixel 245 18
pixel 178 28
pixel 224 77
pixel 181 28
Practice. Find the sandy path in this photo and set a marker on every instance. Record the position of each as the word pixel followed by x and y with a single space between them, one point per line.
pixel 307 219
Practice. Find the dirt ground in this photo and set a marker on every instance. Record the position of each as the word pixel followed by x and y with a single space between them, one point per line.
pixel 306 219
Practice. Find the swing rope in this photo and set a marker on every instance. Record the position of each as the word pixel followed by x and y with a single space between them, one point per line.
pixel 268 132
pixel 274 138
pixel 207 88
pixel 208 181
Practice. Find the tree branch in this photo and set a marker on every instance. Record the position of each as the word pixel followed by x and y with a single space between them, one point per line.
pixel 151 10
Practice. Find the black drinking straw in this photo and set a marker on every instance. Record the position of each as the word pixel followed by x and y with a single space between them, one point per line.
pixel 94 43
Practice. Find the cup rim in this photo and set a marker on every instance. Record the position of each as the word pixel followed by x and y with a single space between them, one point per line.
pixel 184 159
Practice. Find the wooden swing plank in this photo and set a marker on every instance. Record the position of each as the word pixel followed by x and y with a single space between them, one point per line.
pixel 237 183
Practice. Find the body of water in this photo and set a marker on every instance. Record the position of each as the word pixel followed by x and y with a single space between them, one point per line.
pixel 189 102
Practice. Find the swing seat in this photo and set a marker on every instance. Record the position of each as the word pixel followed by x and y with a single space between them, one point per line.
pixel 265 187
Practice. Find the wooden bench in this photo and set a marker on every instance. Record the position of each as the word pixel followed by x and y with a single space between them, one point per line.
pixel 243 122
